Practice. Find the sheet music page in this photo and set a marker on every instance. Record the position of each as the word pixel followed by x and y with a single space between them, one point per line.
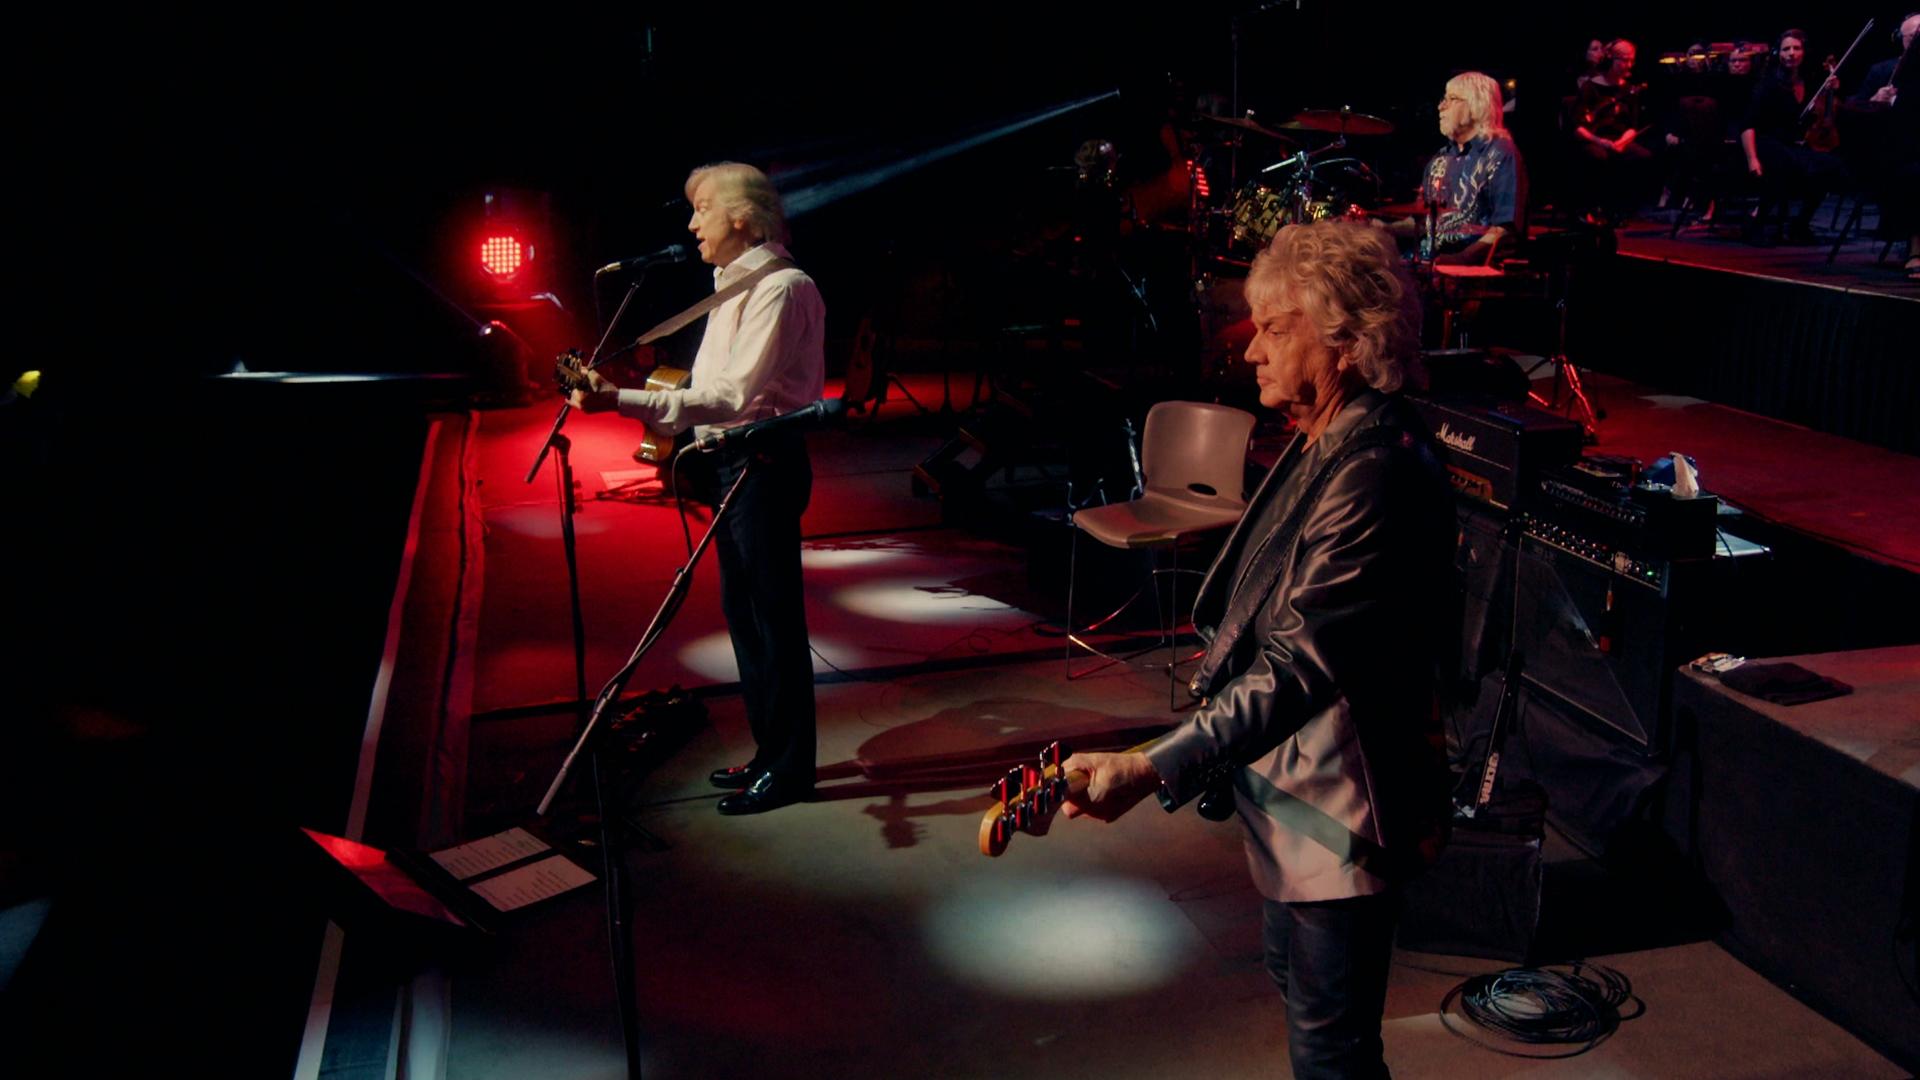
pixel 533 882
pixel 479 856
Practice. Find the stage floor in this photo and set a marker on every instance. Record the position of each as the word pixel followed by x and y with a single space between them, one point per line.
pixel 1856 267
pixel 864 935
pixel 889 586
pixel 862 932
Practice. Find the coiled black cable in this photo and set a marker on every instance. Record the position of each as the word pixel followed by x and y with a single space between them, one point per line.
pixel 1557 1004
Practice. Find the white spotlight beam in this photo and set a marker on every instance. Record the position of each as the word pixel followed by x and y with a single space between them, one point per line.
pixel 820 195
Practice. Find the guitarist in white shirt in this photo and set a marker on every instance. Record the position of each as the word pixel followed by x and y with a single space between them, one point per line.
pixel 762 356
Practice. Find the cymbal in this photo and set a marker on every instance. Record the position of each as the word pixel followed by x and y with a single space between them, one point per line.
pixel 1339 121
pixel 1246 124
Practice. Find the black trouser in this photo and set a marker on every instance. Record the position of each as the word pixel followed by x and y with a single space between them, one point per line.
pixel 1614 180
pixel 1330 958
pixel 1790 172
pixel 760 593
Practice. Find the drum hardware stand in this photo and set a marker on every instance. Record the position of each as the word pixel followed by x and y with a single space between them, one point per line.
pixel 1569 395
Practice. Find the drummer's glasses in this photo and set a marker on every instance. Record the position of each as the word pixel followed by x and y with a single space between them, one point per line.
pixel 1450 99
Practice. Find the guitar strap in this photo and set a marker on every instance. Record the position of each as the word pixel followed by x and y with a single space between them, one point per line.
pixel 711 302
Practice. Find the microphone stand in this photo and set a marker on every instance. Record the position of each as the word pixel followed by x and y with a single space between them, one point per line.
pixel 592 737
pixel 563 474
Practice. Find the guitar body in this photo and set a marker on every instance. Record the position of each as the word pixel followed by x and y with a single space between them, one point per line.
pixel 658 447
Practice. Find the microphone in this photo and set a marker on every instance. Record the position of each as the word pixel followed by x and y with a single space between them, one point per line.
pixel 672 253
pixel 806 416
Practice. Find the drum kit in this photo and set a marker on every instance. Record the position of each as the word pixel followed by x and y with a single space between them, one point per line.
pixel 1307 184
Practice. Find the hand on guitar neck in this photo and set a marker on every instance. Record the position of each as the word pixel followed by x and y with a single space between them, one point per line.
pixel 1101 786
pixel 1116 783
pixel 585 388
pixel 589 391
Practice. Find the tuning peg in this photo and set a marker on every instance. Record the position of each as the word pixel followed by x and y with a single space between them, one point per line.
pixel 1006 790
pixel 1053 754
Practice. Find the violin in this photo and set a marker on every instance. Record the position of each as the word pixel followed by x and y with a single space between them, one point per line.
pixel 1824 130
pixel 1824 134
pixel 1608 109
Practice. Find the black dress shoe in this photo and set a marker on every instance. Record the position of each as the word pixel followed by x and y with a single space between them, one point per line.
pixel 734 776
pixel 767 792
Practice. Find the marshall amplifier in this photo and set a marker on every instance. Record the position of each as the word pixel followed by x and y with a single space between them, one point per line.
pixel 1493 450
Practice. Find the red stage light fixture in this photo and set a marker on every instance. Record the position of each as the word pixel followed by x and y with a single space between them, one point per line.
pixel 504 255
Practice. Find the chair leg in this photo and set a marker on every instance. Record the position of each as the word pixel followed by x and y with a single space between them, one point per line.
pixel 1073 568
pixel 1852 221
pixel 1074 629
pixel 1171 621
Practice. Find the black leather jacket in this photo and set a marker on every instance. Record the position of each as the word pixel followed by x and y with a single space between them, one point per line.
pixel 1321 688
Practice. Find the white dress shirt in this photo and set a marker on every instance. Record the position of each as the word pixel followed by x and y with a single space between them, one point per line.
pixel 763 354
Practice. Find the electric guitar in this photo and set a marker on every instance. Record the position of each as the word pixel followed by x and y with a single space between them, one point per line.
pixel 657 447
pixel 1027 798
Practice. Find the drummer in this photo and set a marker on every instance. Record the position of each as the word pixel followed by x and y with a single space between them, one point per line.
pixel 1476 183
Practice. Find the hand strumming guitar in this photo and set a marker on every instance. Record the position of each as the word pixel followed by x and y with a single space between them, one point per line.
pixel 1115 783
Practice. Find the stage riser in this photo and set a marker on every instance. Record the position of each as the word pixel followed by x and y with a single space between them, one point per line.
pixel 1836 361
pixel 1812 853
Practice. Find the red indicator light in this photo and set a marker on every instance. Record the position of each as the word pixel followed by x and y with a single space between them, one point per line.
pixel 503 256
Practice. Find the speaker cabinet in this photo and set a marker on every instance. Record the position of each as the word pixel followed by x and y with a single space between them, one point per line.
pixel 1602 644
pixel 1483 558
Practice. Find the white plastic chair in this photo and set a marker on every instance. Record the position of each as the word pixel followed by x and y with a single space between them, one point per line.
pixel 1193 456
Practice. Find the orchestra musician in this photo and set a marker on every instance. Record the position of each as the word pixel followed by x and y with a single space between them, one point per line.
pixel 1607 129
pixel 762 355
pixel 1774 143
pixel 1326 615
pixel 1876 88
pixel 1593 62
pixel 1897 163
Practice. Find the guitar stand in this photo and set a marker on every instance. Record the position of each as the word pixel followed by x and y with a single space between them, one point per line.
pixel 894 381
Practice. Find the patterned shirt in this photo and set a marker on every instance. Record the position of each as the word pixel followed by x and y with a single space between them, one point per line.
pixel 1477 187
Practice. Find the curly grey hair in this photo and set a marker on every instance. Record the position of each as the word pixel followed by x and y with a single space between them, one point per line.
pixel 1346 279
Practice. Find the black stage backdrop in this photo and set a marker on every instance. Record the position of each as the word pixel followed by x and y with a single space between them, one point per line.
pixel 202 188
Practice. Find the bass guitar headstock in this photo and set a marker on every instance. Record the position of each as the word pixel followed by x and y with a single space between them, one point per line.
pixel 1027 798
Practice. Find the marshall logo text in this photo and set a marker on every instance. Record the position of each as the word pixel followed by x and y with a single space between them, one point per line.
pixel 1462 443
